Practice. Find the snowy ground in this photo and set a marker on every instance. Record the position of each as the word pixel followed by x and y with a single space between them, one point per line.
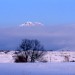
pixel 52 67
pixel 50 56
pixel 59 56
pixel 7 57
pixel 38 69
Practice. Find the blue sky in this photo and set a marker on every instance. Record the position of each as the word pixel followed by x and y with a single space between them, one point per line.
pixel 49 12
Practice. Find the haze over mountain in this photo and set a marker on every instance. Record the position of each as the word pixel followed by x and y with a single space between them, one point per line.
pixel 52 37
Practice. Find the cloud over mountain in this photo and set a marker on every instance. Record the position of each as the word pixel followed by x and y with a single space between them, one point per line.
pixel 52 37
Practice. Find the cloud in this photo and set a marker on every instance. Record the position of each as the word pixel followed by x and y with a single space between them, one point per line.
pixel 52 37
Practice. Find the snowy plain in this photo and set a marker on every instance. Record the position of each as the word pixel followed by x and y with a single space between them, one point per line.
pixel 37 69
pixel 53 67
pixel 49 56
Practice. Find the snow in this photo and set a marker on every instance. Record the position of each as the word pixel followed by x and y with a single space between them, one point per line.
pixel 52 67
pixel 49 56
pixel 31 24
pixel 7 57
pixel 38 69
pixel 58 56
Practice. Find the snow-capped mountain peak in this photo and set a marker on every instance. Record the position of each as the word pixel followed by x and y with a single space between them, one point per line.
pixel 31 24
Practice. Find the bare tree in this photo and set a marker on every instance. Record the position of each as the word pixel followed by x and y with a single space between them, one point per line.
pixel 30 51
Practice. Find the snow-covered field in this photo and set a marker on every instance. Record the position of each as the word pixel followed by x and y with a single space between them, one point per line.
pixel 49 56
pixel 7 57
pixel 38 69
pixel 59 56
pixel 52 67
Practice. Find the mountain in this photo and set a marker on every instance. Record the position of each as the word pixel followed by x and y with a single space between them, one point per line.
pixel 31 24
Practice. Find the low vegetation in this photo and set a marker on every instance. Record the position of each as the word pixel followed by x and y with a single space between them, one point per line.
pixel 29 51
